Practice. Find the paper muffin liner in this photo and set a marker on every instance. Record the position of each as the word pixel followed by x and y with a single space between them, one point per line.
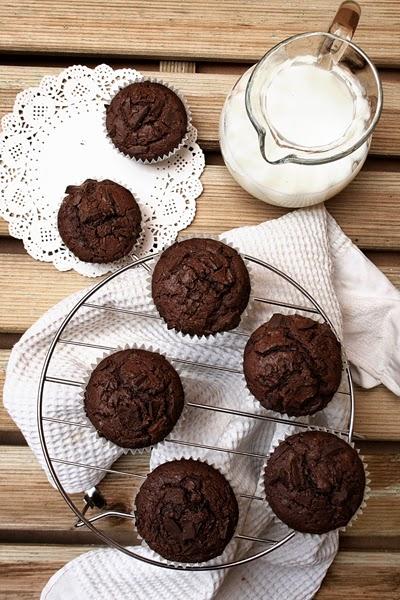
pixel 255 404
pixel 185 138
pixel 136 196
pixel 81 396
pixel 232 541
pixel 367 489
pixel 196 337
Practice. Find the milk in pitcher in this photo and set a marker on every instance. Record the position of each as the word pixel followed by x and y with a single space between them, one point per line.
pixel 307 107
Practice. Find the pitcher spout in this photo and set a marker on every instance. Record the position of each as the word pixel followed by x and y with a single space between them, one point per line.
pixel 273 152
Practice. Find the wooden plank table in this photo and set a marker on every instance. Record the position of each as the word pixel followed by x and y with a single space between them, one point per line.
pixel 201 47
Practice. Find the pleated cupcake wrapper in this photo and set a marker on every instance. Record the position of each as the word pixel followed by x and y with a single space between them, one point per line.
pixel 185 138
pixel 210 562
pixel 218 334
pixel 367 489
pixel 256 404
pixel 81 396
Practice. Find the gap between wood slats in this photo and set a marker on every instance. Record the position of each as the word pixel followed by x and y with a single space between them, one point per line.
pixel 177 66
pixel 142 64
pixel 7 340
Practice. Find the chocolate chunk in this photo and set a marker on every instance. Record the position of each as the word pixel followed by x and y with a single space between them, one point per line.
pixel 201 286
pixel 314 482
pixel 134 398
pixel 293 364
pixel 146 120
pixel 99 221
pixel 186 511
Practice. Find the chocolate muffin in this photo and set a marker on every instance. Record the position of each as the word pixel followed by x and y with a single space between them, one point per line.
pixel 99 221
pixel 293 364
pixel 314 482
pixel 146 120
pixel 186 511
pixel 200 286
pixel 134 398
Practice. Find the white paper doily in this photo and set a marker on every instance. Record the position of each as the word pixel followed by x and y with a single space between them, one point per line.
pixel 54 138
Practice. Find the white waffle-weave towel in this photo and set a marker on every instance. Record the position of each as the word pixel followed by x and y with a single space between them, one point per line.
pixel 309 246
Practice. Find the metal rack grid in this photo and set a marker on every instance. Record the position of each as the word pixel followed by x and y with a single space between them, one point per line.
pixel 90 495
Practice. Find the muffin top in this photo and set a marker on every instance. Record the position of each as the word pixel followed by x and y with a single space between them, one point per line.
pixel 186 511
pixel 314 482
pixel 146 120
pixel 134 398
pixel 293 365
pixel 200 286
pixel 99 221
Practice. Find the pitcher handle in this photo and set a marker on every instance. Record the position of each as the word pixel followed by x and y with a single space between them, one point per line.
pixel 346 20
pixel 343 25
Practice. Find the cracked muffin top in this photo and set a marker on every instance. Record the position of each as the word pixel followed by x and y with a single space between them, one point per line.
pixel 314 482
pixel 146 120
pixel 99 221
pixel 134 398
pixel 293 364
pixel 186 511
pixel 200 286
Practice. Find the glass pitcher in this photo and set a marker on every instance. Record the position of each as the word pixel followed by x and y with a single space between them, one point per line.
pixel 296 128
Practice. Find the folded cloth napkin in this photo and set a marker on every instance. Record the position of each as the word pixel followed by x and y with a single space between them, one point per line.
pixel 362 306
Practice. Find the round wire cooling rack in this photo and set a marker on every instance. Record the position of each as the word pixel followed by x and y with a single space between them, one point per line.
pixel 93 497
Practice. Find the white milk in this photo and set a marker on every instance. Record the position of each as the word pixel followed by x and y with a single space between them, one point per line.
pixel 305 119
pixel 308 107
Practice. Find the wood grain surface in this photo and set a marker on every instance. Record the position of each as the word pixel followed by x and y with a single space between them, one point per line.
pixel 49 514
pixel 370 424
pixel 207 29
pixel 206 94
pixel 29 287
pixel 356 575
pixel 224 205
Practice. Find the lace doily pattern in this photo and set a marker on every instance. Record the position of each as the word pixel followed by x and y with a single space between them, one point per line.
pixel 54 138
